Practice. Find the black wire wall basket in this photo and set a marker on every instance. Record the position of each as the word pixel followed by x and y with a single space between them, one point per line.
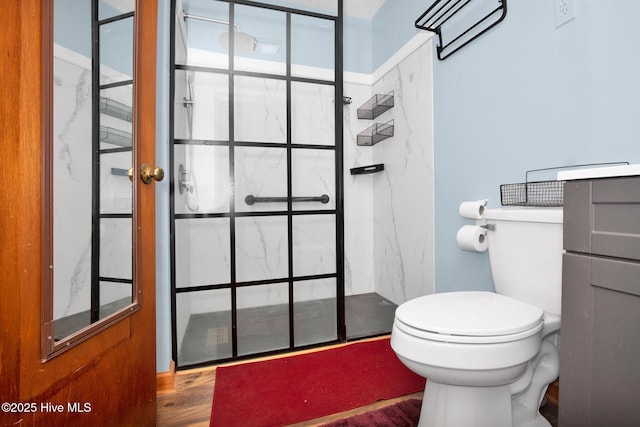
pixel 540 193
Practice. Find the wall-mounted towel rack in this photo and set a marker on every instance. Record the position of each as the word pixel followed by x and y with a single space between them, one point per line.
pixel 462 28
pixel 251 199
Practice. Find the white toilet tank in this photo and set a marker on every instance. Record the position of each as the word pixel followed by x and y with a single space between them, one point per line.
pixel 525 253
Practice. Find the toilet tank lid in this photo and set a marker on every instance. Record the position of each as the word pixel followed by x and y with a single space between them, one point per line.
pixel 525 214
pixel 469 314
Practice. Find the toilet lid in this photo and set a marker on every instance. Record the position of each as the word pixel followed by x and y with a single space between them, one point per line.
pixel 475 314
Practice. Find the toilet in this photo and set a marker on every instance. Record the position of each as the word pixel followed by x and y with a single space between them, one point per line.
pixel 489 357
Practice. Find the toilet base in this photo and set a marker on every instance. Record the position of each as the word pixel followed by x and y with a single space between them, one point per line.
pixel 457 406
pixel 446 405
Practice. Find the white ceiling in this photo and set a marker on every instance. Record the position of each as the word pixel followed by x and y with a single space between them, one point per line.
pixel 359 8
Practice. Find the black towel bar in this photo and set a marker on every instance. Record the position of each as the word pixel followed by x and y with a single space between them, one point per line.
pixel 251 199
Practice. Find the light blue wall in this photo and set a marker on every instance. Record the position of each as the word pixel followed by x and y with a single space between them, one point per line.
pixel 357 45
pixel 357 42
pixel 528 95
pixel 393 26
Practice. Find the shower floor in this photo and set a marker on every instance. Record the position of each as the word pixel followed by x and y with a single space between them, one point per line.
pixel 207 336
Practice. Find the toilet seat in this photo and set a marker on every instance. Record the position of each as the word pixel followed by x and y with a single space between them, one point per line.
pixel 469 317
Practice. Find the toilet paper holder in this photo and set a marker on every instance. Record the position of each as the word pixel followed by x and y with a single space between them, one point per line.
pixel 489 227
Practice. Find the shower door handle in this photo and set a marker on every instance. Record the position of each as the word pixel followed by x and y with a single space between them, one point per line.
pixel 251 199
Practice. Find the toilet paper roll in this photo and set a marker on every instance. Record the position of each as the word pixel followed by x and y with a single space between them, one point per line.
pixel 472 210
pixel 472 238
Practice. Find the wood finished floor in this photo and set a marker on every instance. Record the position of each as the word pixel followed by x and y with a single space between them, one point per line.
pixel 189 405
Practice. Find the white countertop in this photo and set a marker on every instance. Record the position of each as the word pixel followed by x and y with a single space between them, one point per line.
pixel 599 172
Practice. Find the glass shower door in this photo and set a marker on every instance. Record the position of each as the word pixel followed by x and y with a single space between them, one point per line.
pixel 256 247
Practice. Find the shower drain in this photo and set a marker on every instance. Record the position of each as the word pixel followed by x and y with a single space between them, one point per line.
pixel 216 336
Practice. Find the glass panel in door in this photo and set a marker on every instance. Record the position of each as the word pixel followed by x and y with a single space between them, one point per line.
pixel 263 318
pixel 315 311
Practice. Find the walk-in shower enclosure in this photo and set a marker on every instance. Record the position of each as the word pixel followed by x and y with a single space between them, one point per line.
pixel 256 185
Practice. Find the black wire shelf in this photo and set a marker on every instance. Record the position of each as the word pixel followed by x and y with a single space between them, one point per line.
pixel 375 133
pixel 375 106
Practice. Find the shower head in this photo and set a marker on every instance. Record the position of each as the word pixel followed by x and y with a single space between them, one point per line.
pixel 242 42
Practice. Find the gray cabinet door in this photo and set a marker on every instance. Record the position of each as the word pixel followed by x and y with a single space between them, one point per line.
pixel 600 345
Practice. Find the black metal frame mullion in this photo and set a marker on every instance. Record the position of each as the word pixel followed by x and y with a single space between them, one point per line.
pixel 252 144
pixel 232 205
pixel 256 214
pixel 95 161
pixel 199 288
pixel 172 215
pixel 244 73
pixel 289 184
pixel 340 290
pixel 278 8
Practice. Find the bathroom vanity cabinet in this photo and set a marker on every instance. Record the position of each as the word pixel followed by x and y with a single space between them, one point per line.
pixel 600 338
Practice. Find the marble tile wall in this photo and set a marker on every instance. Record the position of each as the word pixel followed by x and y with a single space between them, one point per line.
pixel 389 246
pixel 403 194
pixel 358 198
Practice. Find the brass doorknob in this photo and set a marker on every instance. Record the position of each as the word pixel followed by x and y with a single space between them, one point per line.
pixel 148 173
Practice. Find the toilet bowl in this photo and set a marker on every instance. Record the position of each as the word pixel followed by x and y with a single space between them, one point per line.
pixel 473 347
pixel 500 336
pixel 489 357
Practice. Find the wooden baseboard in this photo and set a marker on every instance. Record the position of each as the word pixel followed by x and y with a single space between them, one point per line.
pixel 166 381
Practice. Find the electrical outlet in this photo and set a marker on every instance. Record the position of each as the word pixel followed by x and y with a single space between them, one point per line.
pixel 565 11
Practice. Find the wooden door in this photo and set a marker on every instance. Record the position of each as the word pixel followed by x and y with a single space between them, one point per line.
pixel 108 379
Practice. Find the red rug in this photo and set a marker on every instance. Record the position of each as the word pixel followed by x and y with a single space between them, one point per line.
pixel 401 414
pixel 289 390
